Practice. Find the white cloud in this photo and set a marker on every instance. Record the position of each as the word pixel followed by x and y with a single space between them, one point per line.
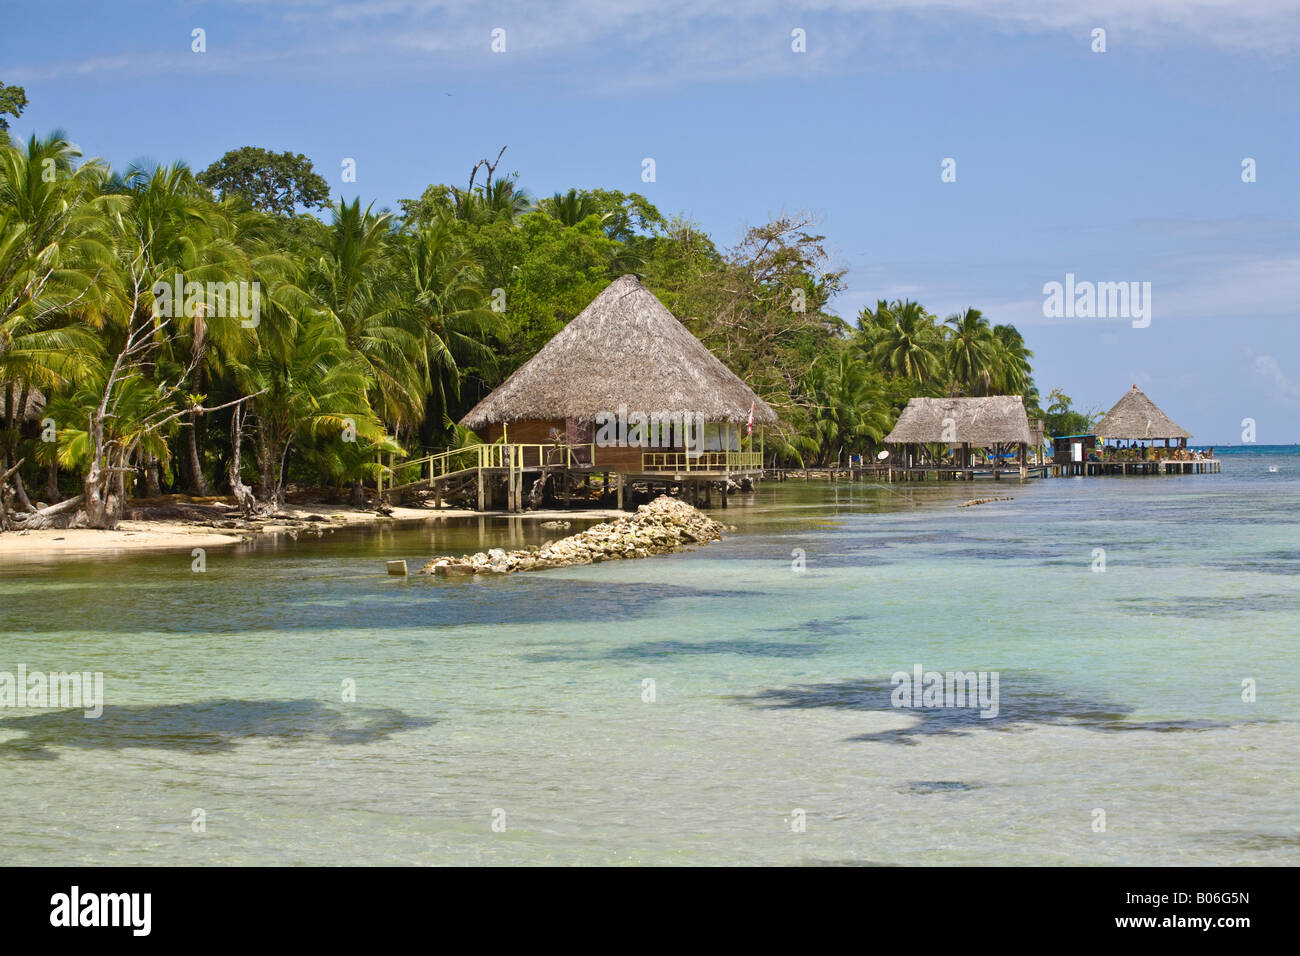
pixel 1267 368
pixel 650 44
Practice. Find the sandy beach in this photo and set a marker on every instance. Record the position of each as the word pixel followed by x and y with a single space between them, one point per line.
pixel 163 535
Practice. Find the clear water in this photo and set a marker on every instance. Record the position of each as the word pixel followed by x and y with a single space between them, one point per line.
pixel 1119 691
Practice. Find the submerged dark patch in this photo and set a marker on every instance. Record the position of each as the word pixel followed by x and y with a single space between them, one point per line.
pixel 654 649
pixel 938 786
pixel 205 727
pixel 1021 702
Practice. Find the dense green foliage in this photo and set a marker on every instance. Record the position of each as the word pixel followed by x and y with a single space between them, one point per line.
pixel 272 182
pixel 124 303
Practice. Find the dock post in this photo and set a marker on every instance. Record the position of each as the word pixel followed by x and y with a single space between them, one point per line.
pixel 618 483
pixel 479 474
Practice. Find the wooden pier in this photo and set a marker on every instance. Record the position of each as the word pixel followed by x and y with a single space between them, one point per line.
pixel 483 471
pixel 1139 466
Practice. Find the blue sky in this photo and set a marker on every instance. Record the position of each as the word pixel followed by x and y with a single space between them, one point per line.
pixel 1115 166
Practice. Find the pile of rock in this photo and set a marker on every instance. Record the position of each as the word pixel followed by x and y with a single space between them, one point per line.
pixel 982 501
pixel 662 526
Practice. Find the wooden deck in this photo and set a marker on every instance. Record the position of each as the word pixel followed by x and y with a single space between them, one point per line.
pixel 479 472
pixel 1140 466
pixel 453 472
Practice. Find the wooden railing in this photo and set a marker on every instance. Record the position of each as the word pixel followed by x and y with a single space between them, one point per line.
pixel 509 457
pixel 652 461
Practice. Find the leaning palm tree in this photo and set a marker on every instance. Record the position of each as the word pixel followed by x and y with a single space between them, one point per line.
pixel 56 244
pixel 184 241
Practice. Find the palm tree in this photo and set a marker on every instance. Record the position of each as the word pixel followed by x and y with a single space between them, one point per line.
pixel 1012 373
pixel 572 207
pixel 55 243
pixel 970 353
pixel 307 387
pixel 850 408
pixel 353 279
pixel 178 234
pixel 446 291
pixel 903 339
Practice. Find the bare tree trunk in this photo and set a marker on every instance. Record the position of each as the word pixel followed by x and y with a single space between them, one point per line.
pixel 101 504
pixel 4 494
pixel 152 477
pixel 21 493
pixel 243 494
pixel 52 482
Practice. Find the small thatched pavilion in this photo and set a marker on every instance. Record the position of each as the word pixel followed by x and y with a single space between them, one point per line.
pixel 626 389
pixel 994 422
pixel 1136 418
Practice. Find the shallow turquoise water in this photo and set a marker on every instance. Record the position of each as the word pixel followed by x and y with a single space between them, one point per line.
pixel 523 697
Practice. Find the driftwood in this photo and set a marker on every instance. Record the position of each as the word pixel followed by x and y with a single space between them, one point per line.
pixel 61 515
pixel 982 501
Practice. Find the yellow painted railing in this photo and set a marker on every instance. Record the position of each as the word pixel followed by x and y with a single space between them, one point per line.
pixel 511 457
pixel 652 461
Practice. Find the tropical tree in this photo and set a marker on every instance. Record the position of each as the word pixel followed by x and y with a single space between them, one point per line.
pixel 307 389
pixel 902 338
pixel 194 271
pixel 572 207
pixel 55 243
pixel 969 353
pixel 1012 373
pixel 272 182
pixel 354 281
pixel 445 288
pixel 850 409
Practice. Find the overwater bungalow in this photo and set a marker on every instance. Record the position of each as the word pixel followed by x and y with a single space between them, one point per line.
pixel 623 394
pixel 1124 441
pixel 992 427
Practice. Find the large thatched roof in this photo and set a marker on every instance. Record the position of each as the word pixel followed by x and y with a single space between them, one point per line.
pixel 625 348
pixel 983 422
pixel 1136 417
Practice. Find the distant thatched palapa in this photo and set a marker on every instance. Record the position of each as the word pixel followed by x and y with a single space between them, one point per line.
pixel 1136 418
pixel 978 422
pixel 993 422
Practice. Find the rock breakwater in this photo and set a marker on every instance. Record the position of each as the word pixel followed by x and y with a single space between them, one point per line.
pixel 660 527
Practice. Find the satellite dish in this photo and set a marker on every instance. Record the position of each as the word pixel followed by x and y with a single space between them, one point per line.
pixel 882 456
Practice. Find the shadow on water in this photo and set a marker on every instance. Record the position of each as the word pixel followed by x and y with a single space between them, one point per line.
pixel 819 627
pixel 1020 702
pixel 1198 606
pixel 657 649
pixel 205 727
pixel 307 601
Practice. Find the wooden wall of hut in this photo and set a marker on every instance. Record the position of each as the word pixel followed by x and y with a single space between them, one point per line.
pixel 525 432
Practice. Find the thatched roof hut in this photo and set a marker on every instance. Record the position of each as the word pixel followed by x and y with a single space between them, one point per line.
pixel 625 348
pixel 979 422
pixel 1136 418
